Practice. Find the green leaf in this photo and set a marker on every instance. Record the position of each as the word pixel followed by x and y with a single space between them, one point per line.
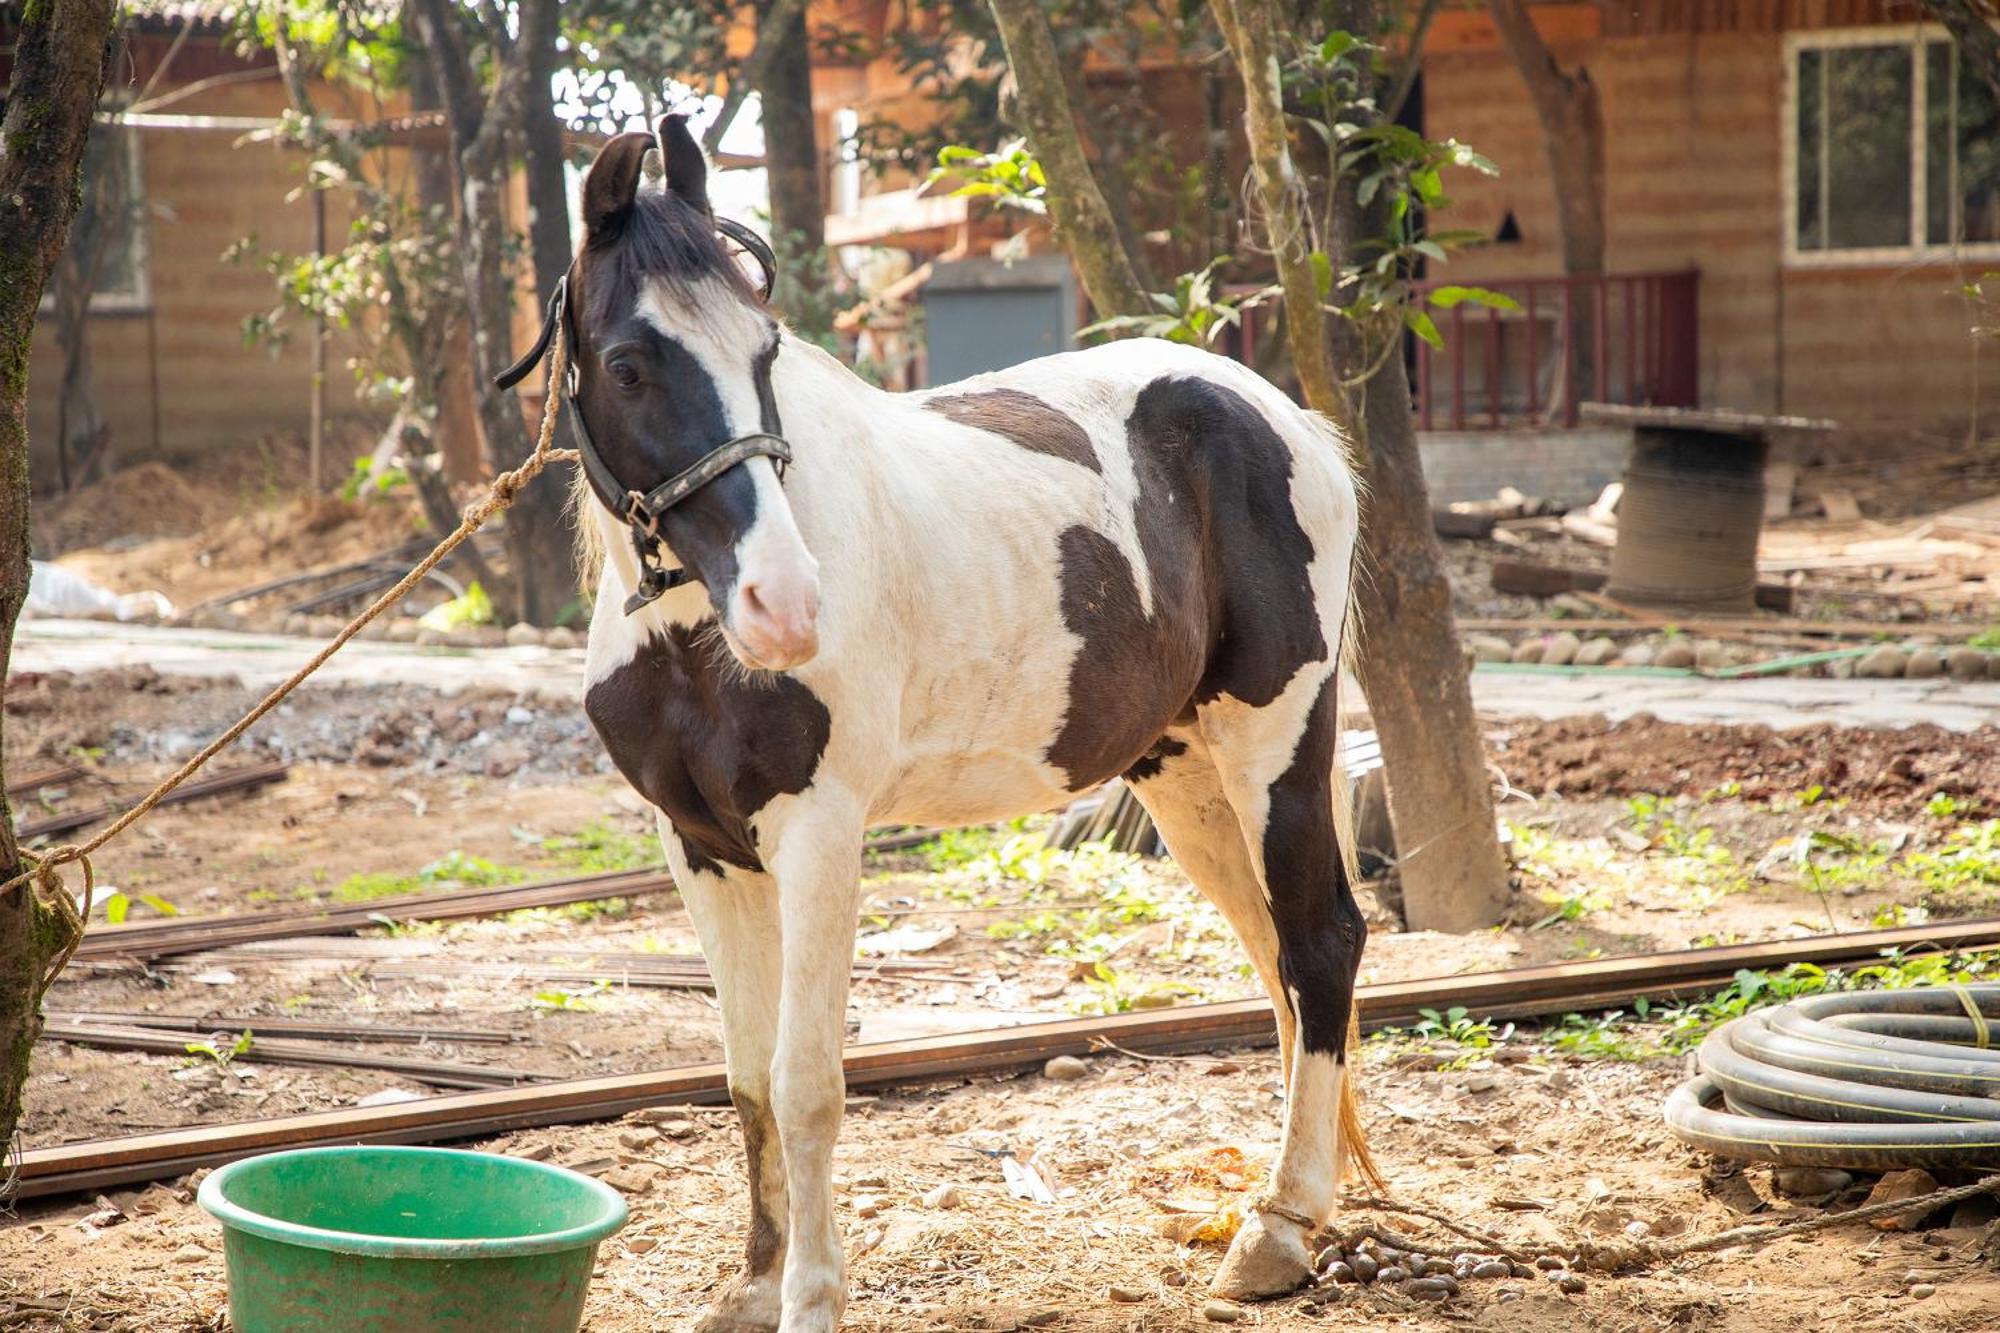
pixel 1444 298
pixel 1337 44
pixel 1322 267
pixel 159 904
pixel 1431 250
pixel 116 908
pixel 1421 324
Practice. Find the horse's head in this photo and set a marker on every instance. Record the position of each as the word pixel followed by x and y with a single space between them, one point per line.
pixel 673 352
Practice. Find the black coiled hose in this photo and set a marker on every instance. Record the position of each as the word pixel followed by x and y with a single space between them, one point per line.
pixel 1866 1080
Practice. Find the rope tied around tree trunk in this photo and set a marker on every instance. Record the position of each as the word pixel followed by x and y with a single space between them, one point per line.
pixel 504 489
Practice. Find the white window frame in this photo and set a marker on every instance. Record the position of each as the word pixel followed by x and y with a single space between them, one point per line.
pixel 1915 36
pixel 139 299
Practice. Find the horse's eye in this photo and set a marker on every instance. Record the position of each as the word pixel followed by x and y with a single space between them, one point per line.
pixel 624 374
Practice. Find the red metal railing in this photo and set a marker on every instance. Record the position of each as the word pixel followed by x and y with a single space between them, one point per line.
pixel 1612 338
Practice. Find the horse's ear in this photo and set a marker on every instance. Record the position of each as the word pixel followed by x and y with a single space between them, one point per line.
pixel 687 166
pixel 613 181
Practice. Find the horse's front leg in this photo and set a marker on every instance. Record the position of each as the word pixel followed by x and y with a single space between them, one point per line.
pixel 735 912
pixel 816 857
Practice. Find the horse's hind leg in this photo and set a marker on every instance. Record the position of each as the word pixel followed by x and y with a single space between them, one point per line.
pixel 1178 785
pixel 1276 766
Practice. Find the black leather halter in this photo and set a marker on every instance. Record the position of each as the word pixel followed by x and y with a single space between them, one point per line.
pixel 642 510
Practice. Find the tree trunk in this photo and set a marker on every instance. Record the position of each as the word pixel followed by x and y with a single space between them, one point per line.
pixel 60 58
pixel 1412 670
pixel 774 30
pixel 1076 203
pixel 1572 119
pixel 791 157
pixel 479 162
pixel 540 510
pixel 1971 23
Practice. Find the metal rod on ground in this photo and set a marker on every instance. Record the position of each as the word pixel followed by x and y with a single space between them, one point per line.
pixel 438 1073
pixel 238 779
pixel 1552 988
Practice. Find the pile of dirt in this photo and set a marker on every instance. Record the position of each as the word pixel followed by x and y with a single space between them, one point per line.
pixel 247 547
pixel 143 502
pixel 1874 768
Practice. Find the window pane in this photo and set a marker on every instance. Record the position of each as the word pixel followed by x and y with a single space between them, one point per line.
pixel 1964 118
pixel 1811 233
pixel 1854 155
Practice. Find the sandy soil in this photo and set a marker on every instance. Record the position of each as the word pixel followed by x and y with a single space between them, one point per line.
pixel 1579 1146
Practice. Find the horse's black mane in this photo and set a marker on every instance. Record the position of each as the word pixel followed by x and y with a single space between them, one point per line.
pixel 661 236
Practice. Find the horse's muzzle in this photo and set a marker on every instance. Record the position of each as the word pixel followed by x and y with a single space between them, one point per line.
pixel 776 622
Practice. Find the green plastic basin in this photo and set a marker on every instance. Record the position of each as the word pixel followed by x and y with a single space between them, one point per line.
pixel 340 1240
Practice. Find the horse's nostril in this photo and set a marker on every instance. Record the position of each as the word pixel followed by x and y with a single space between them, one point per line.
pixel 753 601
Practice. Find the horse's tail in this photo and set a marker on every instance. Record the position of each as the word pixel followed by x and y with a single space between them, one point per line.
pixel 1354 1156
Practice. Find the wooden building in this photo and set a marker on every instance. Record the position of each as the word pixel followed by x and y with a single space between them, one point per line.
pixel 1798 193
pixel 1821 170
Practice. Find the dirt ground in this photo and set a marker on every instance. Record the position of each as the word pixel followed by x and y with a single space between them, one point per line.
pixel 1640 837
pixel 1625 839
pixel 1552 1150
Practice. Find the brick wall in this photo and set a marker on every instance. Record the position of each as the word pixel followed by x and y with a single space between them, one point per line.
pixel 1572 466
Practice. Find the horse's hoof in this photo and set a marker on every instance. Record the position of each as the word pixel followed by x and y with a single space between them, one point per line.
pixel 1268 1258
pixel 743 1307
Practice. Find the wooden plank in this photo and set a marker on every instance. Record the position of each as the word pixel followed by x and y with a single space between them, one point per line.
pixel 1520 992
pixel 237 779
pixel 34 781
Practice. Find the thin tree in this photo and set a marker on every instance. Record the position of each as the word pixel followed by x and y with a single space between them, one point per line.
pixel 1971 23
pixel 1451 870
pixel 1572 117
pixel 1076 201
pixel 61 53
pixel 1413 672
pixel 481 120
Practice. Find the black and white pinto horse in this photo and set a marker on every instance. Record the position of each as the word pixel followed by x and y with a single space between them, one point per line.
pixel 957 606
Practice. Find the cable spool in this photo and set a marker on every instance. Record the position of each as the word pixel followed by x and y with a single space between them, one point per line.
pixel 1689 519
pixel 1865 1080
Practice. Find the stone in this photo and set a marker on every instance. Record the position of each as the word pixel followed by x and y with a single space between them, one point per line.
pixel 294 625
pixel 1596 652
pixel 1126 1295
pixel 1675 653
pixel 1924 664
pixel 1966 664
pixel 1222 1312
pixel 1065 1069
pixel 1897 1186
pixel 403 630
pixel 1807 1182
pixel 214 617
pixel 1489 648
pixel 1885 663
pixel 190 1253
pixel 947 1195
pixel 638 1139
pixel 642 1244
pixel 1561 649
pixel 1710 655
pixel 1923 1291
pixel 562 636
pixel 431 638
pixel 1636 655
pixel 1528 651
pixel 1841 668
pixel 868 1205
pixel 523 635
